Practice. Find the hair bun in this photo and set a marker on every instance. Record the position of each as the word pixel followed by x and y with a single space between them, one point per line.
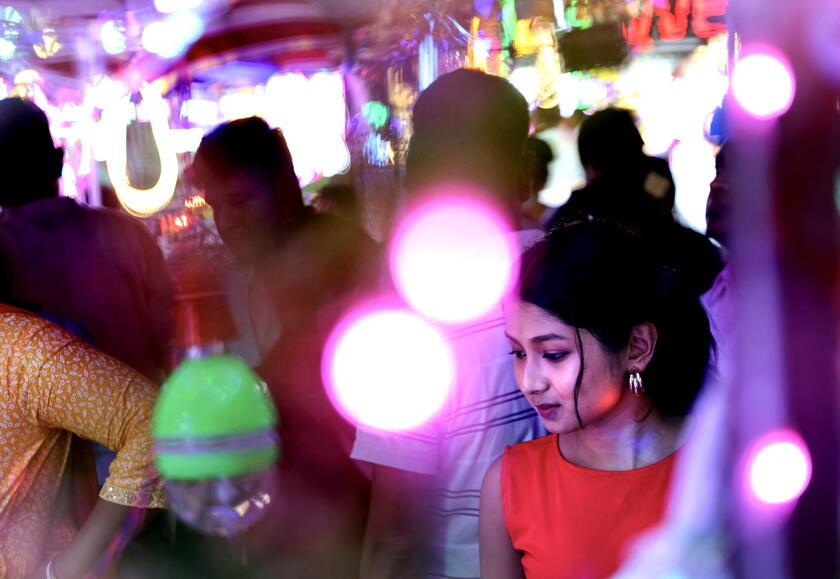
pixel 668 280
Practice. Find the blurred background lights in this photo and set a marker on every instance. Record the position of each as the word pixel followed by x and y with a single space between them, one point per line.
pixel 779 469
pixel 388 369
pixel 241 105
pixel 7 48
pixel 312 113
pixel 112 36
pixel 157 39
pixel 171 36
pixel 452 259
pixel 186 140
pixel 103 91
pixel 10 22
pixel 168 6
pixel 527 81
pixel 376 113
pixel 201 112
pixel 27 76
pixel 50 44
pixel 112 134
pixel 335 157
pixel 763 83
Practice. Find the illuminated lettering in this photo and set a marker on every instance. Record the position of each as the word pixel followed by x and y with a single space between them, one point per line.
pixel 703 12
pixel 707 20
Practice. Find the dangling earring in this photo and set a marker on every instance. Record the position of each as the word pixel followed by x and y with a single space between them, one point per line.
pixel 636 385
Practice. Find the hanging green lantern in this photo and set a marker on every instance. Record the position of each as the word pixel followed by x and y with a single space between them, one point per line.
pixel 214 428
pixel 214 418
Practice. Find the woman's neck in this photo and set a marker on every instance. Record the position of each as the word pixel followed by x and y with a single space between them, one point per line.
pixel 625 442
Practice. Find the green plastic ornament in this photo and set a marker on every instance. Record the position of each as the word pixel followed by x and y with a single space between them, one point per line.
pixel 214 425
pixel 214 419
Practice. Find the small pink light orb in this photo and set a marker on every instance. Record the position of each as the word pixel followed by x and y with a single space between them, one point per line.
pixel 779 467
pixel 387 369
pixel 453 259
pixel 763 82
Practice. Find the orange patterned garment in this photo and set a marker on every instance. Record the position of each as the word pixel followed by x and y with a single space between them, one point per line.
pixel 54 385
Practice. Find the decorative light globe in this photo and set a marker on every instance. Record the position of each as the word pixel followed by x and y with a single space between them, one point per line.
pixel 214 428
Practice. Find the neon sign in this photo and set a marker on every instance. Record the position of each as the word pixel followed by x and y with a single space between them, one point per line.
pixel 707 20
pixel 673 18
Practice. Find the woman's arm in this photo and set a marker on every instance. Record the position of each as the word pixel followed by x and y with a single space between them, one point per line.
pixel 106 521
pixel 67 384
pixel 499 560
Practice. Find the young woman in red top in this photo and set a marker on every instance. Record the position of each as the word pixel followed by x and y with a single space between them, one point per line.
pixel 611 351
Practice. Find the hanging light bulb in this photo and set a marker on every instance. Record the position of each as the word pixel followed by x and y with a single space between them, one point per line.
pixel 115 119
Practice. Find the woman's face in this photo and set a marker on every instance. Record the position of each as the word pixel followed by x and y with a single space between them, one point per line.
pixel 546 364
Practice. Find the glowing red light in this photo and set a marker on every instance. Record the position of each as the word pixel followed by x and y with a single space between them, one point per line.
pixel 181 222
pixel 387 369
pixel 707 20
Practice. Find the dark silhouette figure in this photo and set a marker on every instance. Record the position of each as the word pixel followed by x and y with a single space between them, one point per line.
pixel 99 269
pixel 341 200
pixel 627 187
pixel 538 156
pixel 719 204
pixel 307 267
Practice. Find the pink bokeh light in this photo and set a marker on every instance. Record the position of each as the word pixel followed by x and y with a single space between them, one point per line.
pixel 453 258
pixel 778 468
pixel 763 82
pixel 387 369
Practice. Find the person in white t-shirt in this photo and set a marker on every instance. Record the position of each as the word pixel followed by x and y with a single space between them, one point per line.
pixel 468 127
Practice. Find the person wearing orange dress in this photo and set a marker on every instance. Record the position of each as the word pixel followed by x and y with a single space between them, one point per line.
pixel 54 386
pixel 611 350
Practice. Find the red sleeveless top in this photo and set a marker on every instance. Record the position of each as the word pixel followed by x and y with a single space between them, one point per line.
pixel 576 522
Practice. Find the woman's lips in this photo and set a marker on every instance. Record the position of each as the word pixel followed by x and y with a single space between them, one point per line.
pixel 547 410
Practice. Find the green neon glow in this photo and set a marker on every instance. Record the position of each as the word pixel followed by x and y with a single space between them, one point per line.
pixel 508 22
pixel 573 12
pixel 376 114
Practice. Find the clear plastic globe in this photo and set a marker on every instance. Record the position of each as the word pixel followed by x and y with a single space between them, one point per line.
pixel 222 506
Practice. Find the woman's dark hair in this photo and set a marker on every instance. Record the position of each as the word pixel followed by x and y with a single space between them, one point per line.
pixel 600 278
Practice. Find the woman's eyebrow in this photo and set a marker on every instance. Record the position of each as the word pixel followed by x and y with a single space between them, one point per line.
pixel 547 337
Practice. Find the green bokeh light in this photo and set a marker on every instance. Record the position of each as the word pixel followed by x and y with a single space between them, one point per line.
pixel 376 114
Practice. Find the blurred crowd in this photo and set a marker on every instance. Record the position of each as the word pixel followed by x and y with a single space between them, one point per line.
pixel 572 399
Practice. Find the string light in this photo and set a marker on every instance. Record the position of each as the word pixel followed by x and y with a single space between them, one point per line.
pixel 195 202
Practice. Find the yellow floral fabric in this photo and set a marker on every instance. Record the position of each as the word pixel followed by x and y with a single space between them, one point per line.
pixel 54 385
